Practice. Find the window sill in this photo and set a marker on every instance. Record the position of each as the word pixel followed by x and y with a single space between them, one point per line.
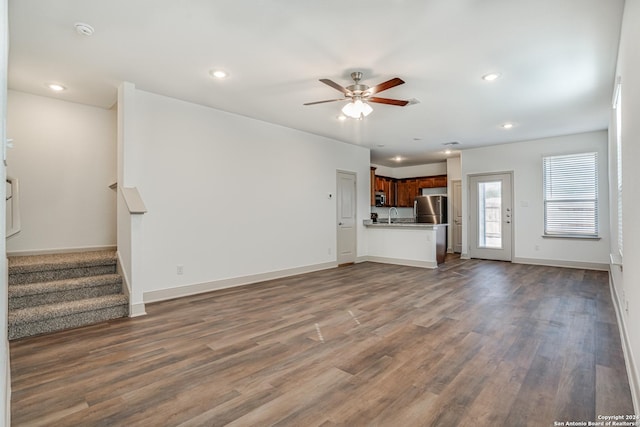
pixel 568 236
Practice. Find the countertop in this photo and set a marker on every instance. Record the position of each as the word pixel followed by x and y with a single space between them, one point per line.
pixel 401 223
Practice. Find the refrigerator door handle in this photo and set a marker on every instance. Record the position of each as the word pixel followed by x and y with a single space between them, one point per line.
pixel 415 208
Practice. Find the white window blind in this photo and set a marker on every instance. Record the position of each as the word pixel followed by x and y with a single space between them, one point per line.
pixel 617 105
pixel 571 195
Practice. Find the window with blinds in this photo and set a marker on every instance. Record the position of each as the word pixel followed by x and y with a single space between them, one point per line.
pixel 617 105
pixel 571 195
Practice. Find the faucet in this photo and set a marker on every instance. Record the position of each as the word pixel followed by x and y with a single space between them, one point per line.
pixel 395 209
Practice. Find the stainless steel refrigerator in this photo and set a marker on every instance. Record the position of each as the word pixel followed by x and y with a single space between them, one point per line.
pixel 430 209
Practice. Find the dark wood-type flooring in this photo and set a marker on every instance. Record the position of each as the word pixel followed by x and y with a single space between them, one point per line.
pixel 473 343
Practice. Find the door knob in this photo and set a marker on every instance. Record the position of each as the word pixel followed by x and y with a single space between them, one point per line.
pixel 339 223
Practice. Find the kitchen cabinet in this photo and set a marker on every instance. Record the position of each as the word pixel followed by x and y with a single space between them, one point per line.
pixel 401 192
pixel 388 187
pixel 440 181
pixel 407 191
pixel 425 182
pixel 379 183
pixel 372 184
pixel 390 192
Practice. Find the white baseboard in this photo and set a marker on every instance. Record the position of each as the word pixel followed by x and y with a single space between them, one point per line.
pixel 362 259
pixel 7 391
pixel 136 310
pixel 464 256
pixel 62 250
pixel 406 262
pixel 198 288
pixel 632 371
pixel 562 263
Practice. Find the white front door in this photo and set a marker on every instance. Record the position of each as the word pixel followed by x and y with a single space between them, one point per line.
pixel 491 215
pixel 457 216
pixel 346 201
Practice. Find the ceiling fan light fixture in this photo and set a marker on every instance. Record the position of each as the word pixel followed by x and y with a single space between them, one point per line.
pixel 357 109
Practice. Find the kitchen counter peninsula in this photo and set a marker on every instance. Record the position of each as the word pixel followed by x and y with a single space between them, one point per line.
pixel 405 242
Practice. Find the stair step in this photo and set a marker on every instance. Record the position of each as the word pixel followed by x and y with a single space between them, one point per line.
pixel 52 292
pixel 42 268
pixel 70 314
pixel 35 294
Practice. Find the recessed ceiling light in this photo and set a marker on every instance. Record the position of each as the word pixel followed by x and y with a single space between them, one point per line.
pixel 507 126
pixel 451 143
pixel 491 77
pixel 342 117
pixel 447 152
pixel 397 159
pixel 219 74
pixel 83 29
pixel 56 87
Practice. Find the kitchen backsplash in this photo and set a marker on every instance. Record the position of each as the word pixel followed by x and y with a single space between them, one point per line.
pixel 384 212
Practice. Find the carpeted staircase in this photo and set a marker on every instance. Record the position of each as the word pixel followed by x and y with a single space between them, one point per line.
pixel 52 292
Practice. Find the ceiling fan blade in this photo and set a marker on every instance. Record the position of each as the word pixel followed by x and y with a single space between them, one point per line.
pixel 385 85
pixel 397 102
pixel 322 102
pixel 336 86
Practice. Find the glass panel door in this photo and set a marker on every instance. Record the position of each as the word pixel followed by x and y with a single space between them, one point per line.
pixel 489 214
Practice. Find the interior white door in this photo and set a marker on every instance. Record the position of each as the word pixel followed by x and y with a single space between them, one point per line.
pixel 491 216
pixel 457 216
pixel 346 201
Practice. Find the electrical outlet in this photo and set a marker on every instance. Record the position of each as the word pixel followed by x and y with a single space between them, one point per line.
pixel 180 269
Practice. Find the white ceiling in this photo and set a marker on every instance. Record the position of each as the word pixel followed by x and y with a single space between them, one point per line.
pixel 557 59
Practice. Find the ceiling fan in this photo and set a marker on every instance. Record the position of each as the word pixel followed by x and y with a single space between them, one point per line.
pixel 360 95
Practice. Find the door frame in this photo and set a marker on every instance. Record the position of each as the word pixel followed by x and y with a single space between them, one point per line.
pixel 451 215
pixel 355 214
pixel 471 209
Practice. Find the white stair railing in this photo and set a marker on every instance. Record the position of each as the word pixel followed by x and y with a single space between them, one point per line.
pixel 13 206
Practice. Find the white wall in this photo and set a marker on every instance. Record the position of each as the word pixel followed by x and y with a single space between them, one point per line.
pixel 626 282
pixel 64 157
pixel 401 172
pixel 231 197
pixel 129 225
pixel 454 171
pixel 525 160
pixel 5 371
